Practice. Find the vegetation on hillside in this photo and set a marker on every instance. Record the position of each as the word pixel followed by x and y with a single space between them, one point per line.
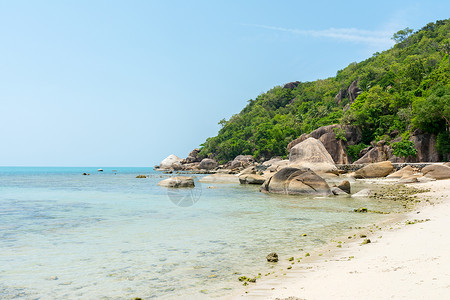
pixel 402 89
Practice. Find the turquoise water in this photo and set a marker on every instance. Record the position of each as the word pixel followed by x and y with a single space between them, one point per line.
pixel 110 235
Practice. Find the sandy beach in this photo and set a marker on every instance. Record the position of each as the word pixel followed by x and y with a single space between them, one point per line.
pixel 403 261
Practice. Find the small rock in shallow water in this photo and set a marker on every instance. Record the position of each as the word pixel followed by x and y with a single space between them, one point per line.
pixel 52 278
pixel 366 241
pixel 272 257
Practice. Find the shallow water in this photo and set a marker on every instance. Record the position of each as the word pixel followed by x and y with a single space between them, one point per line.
pixel 113 236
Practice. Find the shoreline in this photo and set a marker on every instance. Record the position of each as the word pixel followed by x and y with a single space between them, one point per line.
pixel 402 261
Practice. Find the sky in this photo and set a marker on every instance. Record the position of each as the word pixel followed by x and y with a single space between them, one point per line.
pixel 127 83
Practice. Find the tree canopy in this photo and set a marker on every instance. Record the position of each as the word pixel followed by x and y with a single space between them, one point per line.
pixel 400 89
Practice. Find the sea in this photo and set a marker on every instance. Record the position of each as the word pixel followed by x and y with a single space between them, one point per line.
pixel 110 235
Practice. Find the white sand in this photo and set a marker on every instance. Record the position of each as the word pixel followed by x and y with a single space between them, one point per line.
pixel 407 262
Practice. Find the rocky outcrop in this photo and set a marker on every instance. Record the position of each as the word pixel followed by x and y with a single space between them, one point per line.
pixel 312 154
pixel 426 147
pixel 177 182
pixel 375 154
pixel 171 162
pixel 424 143
pixel 374 170
pixel 353 91
pixel 337 147
pixel 208 164
pixel 296 181
pixel 251 179
pixel 341 95
pixel 193 157
pixel 242 161
pixel 436 172
pixel 291 85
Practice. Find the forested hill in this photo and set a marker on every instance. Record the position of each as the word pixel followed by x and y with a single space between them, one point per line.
pixel 399 90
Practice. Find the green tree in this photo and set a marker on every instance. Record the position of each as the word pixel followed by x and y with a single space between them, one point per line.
pixel 405 147
pixel 432 114
pixel 402 35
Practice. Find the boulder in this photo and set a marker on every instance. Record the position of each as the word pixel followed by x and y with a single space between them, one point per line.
pixel 242 161
pixel 447 164
pixel 272 257
pixel 436 172
pixel 296 181
pixel 220 178
pixel 141 176
pixel 248 170
pixel 375 154
pixel 193 156
pixel 169 161
pixel 251 179
pixel 363 193
pixel 337 147
pixel 406 171
pixel 272 161
pixel 337 191
pixel 345 186
pixel 312 154
pixel 177 182
pixel 374 170
pixel 208 164
pixel 424 143
pixel 278 165
pixel 408 179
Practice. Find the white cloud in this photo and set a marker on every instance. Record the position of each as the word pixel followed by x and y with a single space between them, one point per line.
pixel 380 39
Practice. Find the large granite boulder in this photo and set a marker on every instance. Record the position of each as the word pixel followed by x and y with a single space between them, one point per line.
pixel 242 161
pixel 312 154
pixel 337 147
pixel 248 170
pixel 208 164
pixel 436 172
pixel 375 170
pixel 376 153
pixel 177 182
pixel 251 179
pixel 273 160
pixel 171 162
pixel 296 181
pixel 403 172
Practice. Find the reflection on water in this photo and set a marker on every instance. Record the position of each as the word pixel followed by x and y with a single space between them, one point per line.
pixel 64 235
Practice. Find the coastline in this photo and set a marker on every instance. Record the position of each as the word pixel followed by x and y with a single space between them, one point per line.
pixel 402 261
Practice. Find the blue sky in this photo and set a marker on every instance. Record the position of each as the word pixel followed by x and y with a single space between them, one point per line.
pixel 126 83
